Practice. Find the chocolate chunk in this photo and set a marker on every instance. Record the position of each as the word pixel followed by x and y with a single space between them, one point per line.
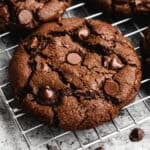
pixel 111 87
pixel 116 63
pixel 74 58
pixel 83 33
pixel 25 17
pixel 34 43
pixel 136 135
pixel 47 94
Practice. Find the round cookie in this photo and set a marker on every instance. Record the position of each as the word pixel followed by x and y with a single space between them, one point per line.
pixel 29 14
pixel 122 7
pixel 76 74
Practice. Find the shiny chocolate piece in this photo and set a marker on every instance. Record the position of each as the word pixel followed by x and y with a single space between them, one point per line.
pixel 83 33
pixel 47 95
pixel 74 58
pixel 136 135
pixel 25 17
pixel 111 87
pixel 116 63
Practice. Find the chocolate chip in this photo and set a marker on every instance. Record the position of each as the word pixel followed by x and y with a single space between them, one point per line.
pixel 83 33
pixel 116 63
pixel 50 147
pixel 99 148
pixel 136 135
pixel 107 60
pixel 74 58
pixel 112 62
pixel 25 17
pixel 34 43
pixel 111 87
pixel 47 95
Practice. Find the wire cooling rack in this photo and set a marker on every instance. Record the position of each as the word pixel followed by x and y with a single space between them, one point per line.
pixel 40 136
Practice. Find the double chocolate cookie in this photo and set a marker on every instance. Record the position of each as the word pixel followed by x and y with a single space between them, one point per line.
pixel 76 73
pixel 122 7
pixel 28 14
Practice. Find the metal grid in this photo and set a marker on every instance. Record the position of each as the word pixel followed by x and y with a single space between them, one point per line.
pixel 38 135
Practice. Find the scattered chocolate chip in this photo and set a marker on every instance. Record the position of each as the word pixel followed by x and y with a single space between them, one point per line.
pixel 111 87
pixel 25 17
pixel 50 147
pixel 47 95
pixel 136 135
pixel 83 33
pixel 116 63
pixel 74 58
pixel 34 43
pixel 107 60
pixel 99 148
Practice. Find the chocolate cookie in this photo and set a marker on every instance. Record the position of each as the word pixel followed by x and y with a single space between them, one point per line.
pixel 29 14
pixel 122 7
pixel 76 73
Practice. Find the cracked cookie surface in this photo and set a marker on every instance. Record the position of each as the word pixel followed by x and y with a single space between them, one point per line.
pixel 76 74
pixel 29 14
pixel 122 7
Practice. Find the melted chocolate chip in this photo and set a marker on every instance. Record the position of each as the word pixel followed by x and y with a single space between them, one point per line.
pixel 111 87
pixel 112 62
pixel 25 17
pixel 116 63
pixel 83 33
pixel 47 95
pixel 136 135
pixel 74 58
